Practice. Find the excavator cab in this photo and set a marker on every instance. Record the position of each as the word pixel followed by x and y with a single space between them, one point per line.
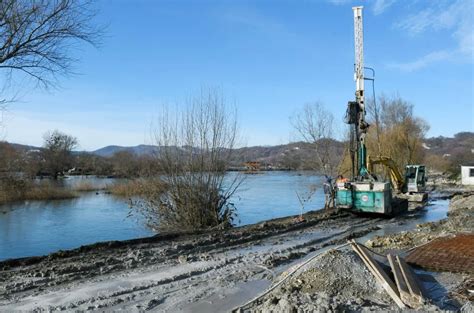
pixel 415 178
pixel 411 186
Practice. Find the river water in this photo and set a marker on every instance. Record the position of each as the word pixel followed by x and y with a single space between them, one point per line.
pixel 39 227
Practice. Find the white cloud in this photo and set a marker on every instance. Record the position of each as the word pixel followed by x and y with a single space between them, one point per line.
pixel 422 62
pixel 456 17
pixel 381 5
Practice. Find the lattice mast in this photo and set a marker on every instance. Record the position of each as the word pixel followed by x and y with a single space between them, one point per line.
pixel 359 55
pixel 361 125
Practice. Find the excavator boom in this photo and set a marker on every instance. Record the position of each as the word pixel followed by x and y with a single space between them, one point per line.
pixel 395 176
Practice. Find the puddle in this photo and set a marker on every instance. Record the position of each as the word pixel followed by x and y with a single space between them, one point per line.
pixel 434 211
pixel 435 286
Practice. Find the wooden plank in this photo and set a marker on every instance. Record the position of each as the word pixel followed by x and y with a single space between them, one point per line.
pixel 423 292
pixel 379 273
pixel 397 273
pixel 405 294
pixel 411 280
pixel 393 291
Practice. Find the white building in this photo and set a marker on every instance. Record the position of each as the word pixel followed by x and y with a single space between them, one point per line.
pixel 467 175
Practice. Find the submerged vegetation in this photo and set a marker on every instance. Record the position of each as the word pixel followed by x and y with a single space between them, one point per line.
pixel 138 187
pixel 16 189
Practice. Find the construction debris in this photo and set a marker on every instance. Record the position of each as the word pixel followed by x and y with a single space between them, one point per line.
pixel 402 285
pixel 407 291
pixel 411 281
pixel 378 272
pixel 452 254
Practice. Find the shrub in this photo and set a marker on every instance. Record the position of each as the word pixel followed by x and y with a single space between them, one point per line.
pixel 195 148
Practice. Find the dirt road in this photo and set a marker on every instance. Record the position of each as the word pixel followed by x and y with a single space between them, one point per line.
pixel 200 272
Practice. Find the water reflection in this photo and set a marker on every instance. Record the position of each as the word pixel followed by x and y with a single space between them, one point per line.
pixel 39 227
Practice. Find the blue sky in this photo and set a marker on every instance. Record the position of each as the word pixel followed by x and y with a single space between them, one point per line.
pixel 269 57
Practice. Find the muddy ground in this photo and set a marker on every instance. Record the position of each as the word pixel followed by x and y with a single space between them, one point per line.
pixel 460 219
pixel 338 280
pixel 171 271
pixel 200 272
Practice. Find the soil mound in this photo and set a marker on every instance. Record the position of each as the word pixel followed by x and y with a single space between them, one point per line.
pixel 338 280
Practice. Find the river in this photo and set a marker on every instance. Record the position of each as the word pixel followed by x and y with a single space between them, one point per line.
pixel 31 228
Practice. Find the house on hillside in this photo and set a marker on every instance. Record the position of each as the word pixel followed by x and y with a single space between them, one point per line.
pixel 467 174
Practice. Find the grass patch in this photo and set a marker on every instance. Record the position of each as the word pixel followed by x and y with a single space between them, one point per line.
pixel 85 186
pixel 49 192
pixel 15 189
pixel 137 187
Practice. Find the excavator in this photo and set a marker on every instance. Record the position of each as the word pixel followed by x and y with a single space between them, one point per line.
pixel 412 186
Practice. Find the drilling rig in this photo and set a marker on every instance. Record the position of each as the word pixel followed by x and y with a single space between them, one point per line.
pixel 363 193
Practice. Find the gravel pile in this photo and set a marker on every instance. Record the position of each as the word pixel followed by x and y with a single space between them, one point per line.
pixel 337 281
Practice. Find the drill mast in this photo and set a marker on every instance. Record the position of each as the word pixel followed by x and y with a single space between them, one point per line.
pixel 363 193
pixel 359 54
pixel 361 125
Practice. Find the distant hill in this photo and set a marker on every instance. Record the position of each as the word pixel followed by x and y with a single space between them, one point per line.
pixel 288 155
pixel 450 146
pixel 139 150
pixel 292 154
pixel 21 147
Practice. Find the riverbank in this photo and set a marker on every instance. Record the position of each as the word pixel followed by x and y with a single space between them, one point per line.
pixel 209 271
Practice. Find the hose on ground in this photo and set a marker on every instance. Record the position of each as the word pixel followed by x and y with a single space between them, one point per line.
pixel 285 278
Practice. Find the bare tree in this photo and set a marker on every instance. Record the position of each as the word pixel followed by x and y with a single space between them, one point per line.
pixel 396 131
pixel 315 125
pixel 373 110
pixel 10 159
pixel 125 164
pixel 195 147
pixel 57 152
pixel 36 36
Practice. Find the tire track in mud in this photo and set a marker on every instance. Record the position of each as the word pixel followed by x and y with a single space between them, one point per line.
pixel 109 257
pixel 170 292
